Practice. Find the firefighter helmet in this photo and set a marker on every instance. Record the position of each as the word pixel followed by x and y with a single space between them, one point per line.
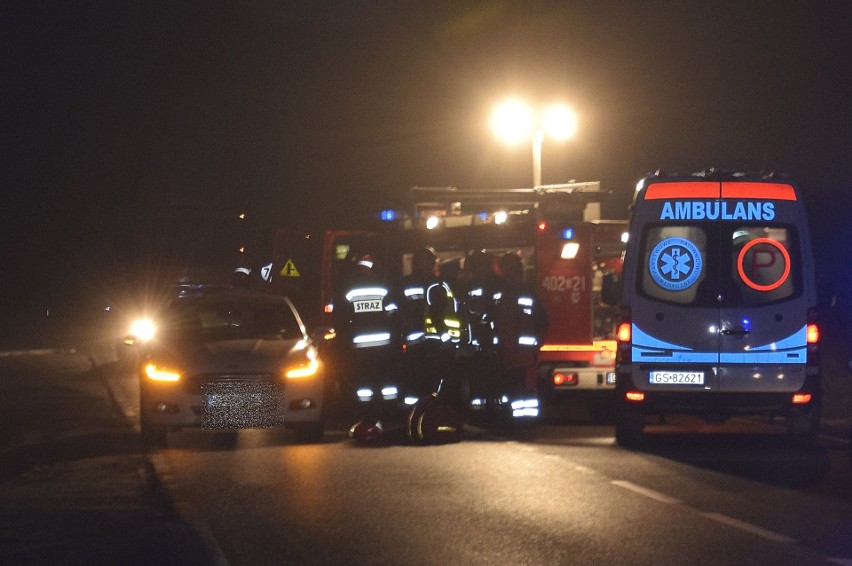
pixel 240 277
pixel 511 266
pixel 478 264
pixel 424 260
pixel 367 262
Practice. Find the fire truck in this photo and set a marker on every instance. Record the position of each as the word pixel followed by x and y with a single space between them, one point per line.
pixel 572 257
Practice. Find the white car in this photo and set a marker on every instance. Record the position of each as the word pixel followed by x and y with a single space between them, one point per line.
pixel 230 359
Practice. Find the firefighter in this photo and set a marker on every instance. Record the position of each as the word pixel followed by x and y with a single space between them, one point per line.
pixel 412 298
pixel 478 360
pixel 364 321
pixel 520 324
pixel 477 285
pixel 432 331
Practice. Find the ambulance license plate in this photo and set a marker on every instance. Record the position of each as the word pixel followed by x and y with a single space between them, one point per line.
pixel 367 306
pixel 676 377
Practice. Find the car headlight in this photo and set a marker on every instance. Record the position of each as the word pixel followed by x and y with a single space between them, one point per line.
pixel 157 372
pixel 143 329
pixel 306 367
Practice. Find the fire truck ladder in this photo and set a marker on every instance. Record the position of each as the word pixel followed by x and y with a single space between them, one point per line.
pixel 566 199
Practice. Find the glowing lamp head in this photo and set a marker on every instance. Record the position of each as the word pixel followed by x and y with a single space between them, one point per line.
pixel 512 121
pixel 559 122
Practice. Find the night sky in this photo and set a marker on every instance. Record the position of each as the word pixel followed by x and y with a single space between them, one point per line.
pixel 309 114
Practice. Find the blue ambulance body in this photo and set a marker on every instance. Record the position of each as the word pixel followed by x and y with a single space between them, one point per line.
pixel 718 303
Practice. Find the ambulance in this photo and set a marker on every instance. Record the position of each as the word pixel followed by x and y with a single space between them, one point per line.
pixel 719 299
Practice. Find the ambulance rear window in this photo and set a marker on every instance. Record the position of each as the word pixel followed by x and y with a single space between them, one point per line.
pixel 713 264
pixel 764 263
pixel 674 263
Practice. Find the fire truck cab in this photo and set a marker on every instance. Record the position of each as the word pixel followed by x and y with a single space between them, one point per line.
pixel 572 258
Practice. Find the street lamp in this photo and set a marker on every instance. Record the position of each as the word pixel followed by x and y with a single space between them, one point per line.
pixel 514 121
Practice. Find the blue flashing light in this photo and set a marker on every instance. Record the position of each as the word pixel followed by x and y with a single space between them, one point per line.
pixel 568 234
pixel 388 215
pixel 483 216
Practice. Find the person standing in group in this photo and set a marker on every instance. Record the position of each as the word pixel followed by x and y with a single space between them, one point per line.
pixel 364 319
pixel 431 330
pixel 520 323
pixel 478 360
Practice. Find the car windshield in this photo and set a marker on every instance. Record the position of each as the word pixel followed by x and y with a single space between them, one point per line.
pixel 233 320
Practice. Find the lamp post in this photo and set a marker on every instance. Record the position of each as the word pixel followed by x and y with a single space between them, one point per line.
pixel 514 121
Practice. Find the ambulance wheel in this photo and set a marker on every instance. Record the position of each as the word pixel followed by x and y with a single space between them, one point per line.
pixel 629 428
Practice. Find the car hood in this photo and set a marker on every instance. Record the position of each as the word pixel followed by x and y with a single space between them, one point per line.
pixel 239 356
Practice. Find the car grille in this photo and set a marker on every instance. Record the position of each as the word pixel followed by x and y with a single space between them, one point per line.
pixel 196 383
pixel 239 401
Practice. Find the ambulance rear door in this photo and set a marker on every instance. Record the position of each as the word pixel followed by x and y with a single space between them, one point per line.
pixel 766 296
pixel 721 295
pixel 674 289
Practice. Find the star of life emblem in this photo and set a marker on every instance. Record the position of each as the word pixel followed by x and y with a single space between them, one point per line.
pixel 675 264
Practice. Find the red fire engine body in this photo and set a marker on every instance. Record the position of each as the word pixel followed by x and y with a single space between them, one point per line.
pixel 572 257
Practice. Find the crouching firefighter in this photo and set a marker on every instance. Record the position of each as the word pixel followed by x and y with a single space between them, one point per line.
pixel 520 324
pixel 364 321
pixel 431 332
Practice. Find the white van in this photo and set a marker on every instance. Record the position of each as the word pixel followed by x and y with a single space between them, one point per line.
pixel 718 304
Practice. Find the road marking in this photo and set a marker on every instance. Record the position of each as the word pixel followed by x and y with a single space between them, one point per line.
pixel 655 495
pixel 841 561
pixel 748 527
pixel 38 352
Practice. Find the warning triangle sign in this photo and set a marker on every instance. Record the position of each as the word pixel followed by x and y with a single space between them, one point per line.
pixel 289 269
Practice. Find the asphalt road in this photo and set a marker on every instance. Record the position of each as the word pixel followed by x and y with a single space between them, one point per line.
pixel 561 495
pixel 75 489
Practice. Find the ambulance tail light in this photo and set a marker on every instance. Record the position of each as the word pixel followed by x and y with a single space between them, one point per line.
pixel 813 334
pixel 802 398
pixel 624 334
pixel 634 396
pixel 813 339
